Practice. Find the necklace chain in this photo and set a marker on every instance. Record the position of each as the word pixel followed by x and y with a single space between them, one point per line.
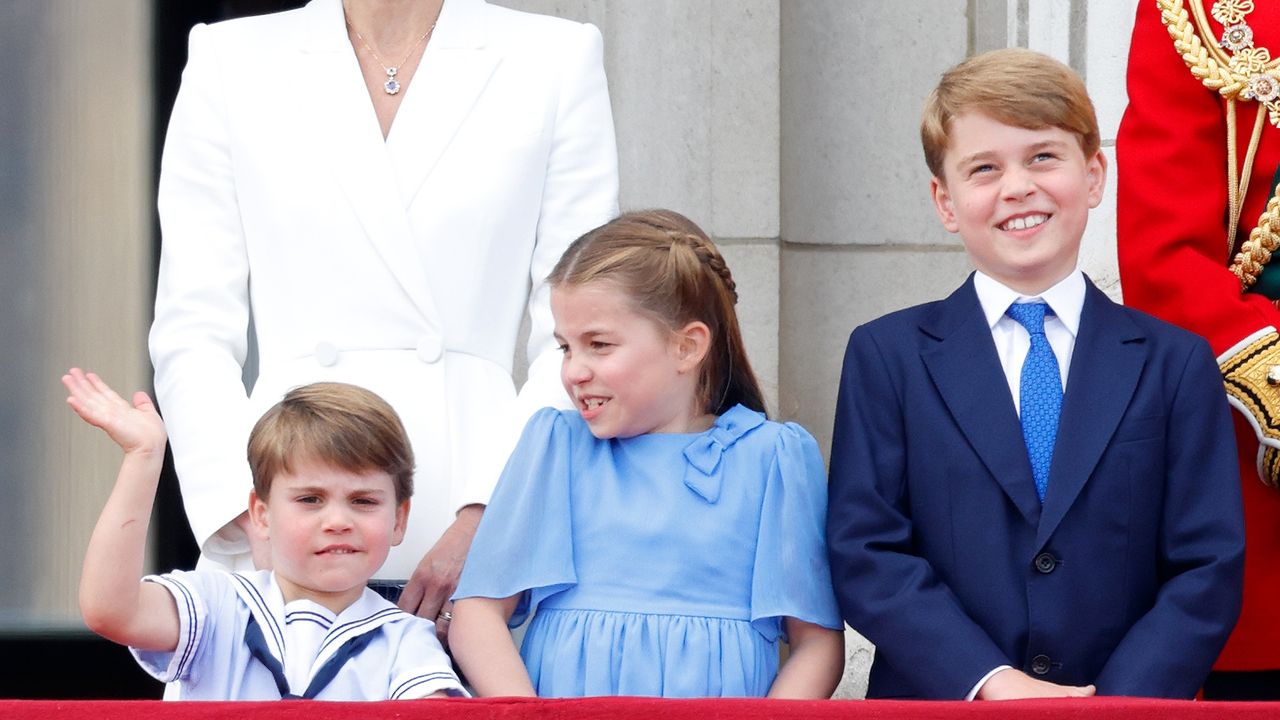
pixel 392 85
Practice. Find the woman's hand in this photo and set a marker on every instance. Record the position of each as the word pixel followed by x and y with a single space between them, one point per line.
pixel 436 577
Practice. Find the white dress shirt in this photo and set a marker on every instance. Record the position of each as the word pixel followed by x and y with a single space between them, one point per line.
pixel 1066 299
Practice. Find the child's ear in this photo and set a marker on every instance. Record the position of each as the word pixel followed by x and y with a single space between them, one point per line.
pixel 692 342
pixel 943 203
pixel 1096 168
pixel 402 522
pixel 258 513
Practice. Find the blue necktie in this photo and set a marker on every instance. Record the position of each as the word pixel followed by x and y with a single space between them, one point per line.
pixel 1040 394
pixel 258 648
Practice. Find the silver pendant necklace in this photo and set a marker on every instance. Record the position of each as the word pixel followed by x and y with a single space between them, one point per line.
pixel 392 85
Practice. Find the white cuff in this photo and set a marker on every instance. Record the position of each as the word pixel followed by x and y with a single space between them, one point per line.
pixel 974 692
pixel 428 683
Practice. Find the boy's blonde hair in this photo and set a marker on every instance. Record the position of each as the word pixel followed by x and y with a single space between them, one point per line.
pixel 335 424
pixel 672 272
pixel 1014 86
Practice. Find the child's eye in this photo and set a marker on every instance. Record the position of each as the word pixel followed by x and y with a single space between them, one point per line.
pixel 365 501
pixel 1041 157
pixel 563 347
pixel 600 345
pixel 308 499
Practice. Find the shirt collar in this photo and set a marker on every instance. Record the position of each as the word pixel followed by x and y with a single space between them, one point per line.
pixel 1066 298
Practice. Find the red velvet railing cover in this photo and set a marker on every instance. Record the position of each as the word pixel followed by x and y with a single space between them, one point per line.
pixel 630 709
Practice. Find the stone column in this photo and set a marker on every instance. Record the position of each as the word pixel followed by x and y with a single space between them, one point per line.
pixel 81 223
pixel 695 95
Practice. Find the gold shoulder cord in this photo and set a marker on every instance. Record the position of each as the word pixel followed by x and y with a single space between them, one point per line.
pixel 1237 70
pixel 1257 250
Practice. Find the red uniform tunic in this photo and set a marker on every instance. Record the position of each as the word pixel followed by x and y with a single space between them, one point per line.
pixel 1174 257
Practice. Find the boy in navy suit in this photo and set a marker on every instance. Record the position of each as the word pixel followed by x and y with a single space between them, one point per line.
pixel 1033 489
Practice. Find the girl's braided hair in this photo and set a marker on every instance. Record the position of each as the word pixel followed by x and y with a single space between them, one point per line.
pixel 673 273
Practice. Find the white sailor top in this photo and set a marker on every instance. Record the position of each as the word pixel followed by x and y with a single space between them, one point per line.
pixel 238 640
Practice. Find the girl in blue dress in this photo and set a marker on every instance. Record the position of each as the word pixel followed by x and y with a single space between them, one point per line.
pixel 663 535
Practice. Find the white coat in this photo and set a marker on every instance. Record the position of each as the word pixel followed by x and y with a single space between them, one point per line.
pixel 401 265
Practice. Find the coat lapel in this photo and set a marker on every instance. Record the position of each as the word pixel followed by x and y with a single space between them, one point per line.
pixel 336 109
pixel 1106 364
pixel 966 370
pixel 453 73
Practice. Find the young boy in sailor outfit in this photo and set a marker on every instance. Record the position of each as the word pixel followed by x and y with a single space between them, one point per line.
pixel 332 475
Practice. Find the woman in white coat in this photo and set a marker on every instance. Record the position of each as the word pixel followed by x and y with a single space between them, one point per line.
pixel 384 225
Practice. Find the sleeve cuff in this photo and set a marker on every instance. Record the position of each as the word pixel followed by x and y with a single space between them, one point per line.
pixel 973 694
pixel 424 684
pixel 176 665
pixel 1251 376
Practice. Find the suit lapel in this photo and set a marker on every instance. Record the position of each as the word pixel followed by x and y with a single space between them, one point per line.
pixel 453 73
pixel 1106 363
pixel 337 111
pixel 966 370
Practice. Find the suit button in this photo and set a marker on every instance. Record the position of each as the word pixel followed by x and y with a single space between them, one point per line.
pixel 326 354
pixel 1040 665
pixel 1046 563
pixel 430 349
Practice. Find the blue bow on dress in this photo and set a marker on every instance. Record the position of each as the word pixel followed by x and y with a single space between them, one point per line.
pixel 704 474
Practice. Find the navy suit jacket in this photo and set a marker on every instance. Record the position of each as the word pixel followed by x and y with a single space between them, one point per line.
pixel 1129 575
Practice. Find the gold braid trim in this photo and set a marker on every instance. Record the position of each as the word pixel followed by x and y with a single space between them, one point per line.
pixel 1269 465
pixel 1251 377
pixel 1203 63
pixel 1250 74
pixel 1257 250
pixel 1245 375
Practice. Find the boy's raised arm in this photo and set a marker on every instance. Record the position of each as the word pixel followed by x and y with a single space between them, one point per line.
pixel 113 601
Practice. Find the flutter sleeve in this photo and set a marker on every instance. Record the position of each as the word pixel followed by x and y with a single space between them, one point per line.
pixel 792 577
pixel 524 542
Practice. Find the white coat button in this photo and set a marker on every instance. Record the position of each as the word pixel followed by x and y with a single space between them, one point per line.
pixel 430 349
pixel 326 354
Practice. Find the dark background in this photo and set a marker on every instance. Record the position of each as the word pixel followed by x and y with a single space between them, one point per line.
pixel 78 664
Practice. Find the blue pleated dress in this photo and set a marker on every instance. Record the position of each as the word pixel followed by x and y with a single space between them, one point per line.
pixel 661 564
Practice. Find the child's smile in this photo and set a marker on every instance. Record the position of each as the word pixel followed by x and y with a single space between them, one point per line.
pixel 1024 222
pixel 1018 197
